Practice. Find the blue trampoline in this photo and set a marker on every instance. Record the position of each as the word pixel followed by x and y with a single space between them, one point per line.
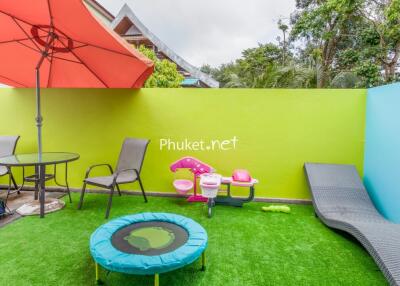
pixel 148 244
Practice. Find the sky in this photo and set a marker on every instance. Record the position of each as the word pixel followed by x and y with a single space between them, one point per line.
pixel 209 31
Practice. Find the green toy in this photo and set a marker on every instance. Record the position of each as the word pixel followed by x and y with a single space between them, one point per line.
pixel 277 209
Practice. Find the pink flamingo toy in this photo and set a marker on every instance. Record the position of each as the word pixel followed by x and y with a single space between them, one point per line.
pixel 197 168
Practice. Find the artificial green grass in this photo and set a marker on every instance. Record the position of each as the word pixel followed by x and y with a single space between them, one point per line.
pixel 246 247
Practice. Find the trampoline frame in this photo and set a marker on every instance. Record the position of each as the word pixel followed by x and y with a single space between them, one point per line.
pixel 156 275
pixel 113 260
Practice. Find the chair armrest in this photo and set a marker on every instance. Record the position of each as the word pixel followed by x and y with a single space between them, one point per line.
pixel 98 165
pixel 122 171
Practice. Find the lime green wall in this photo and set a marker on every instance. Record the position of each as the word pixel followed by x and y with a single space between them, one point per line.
pixel 277 130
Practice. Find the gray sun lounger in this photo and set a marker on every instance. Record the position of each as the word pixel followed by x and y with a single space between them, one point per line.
pixel 341 201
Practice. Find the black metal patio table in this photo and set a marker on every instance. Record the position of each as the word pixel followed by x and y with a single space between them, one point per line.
pixel 39 161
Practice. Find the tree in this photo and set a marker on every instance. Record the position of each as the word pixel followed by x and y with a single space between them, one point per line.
pixel 384 33
pixel 264 67
pixel 344 44
pixel 227 74
pixel 324 23
pixel 288 76
pixel 207 69
pixel 346 80
pixel 284 28
pixel 255 61
pixel 370 74
pixel 165 72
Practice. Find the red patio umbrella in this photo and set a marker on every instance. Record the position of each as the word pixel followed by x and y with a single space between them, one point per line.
pixel 59 43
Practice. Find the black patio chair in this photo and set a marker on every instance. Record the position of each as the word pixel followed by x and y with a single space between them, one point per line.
pixel 127 171
pixel 7 148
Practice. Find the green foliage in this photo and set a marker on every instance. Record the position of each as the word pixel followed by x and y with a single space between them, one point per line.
pixel 165 74
pixel 369 72
pixel 289 76
pixel 227 75
pixel 234 81
pixel 383 17
pixel 347 59
pixel 207 69
pixel 344 44
pixel 326 25
pixel 392 24
pixel 255 61
pixel 346 80
pixel 263 67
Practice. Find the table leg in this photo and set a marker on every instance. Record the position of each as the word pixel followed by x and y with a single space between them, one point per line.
pixel 156 279
pixel 42 191
pixel 36 182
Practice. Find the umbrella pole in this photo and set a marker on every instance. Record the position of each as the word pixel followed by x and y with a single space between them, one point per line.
pixel 39 118
pixel 39 122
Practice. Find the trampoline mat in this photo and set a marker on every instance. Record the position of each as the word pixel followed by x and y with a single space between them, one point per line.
pixel 149 238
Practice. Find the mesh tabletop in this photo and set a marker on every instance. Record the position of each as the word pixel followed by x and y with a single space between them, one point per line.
pixel 34 159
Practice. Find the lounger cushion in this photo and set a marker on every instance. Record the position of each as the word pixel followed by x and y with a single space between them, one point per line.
pixel 333 176
pixel 342 202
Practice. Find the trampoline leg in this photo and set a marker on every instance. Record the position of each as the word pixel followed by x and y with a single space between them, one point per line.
pixel 203 261
pixel 97 273
pixel 156 279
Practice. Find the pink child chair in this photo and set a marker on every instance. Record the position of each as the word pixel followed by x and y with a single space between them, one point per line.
pixel 197 168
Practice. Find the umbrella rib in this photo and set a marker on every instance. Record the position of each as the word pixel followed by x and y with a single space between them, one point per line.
pixel 23 21
pixel 50 69
pixel 67 60
pixel 83 43
pixel 110 50
pixel 106 49
pixel 50 13
pixel 25 45
pixel 98 47
pixel 74 48
pixel 13 81
pixel 17 40
pixel 89 69
pixel 16 22
pixel 82 46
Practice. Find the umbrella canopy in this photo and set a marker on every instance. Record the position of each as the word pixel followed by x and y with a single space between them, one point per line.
pixel 59 43
pixel 79 50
